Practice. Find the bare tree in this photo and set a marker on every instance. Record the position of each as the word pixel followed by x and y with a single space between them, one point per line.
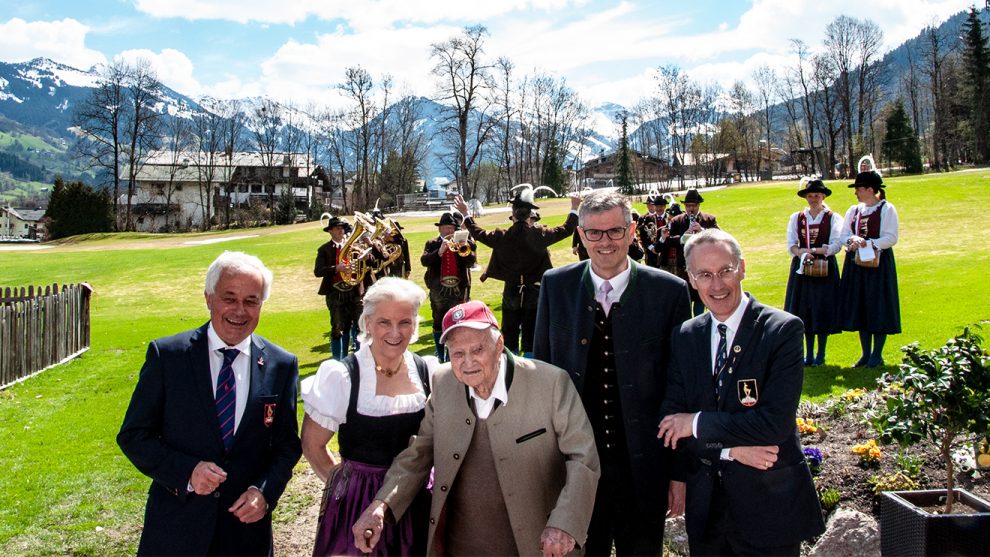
pixel 935 57
pixel 357 87
pixel 673 93
pixel 266 125
pixel 827 99
pixel 208 152
pixel 338 142
pixel 462 80
pixel 766 80
pixel 99 120
pixel 142 125
pixel 179 142
pixel 804 77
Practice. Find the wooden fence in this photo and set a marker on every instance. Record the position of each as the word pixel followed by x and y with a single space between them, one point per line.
pixel 40 329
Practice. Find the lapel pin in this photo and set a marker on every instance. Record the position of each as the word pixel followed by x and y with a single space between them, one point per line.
pixel 261 360
pixel 737 349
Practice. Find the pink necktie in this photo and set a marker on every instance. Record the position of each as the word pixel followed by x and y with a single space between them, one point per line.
pixel 603 291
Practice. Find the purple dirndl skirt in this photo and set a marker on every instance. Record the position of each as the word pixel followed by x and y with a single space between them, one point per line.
pixel 352 487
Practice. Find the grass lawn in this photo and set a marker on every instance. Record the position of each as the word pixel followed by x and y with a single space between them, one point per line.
pixel 67 489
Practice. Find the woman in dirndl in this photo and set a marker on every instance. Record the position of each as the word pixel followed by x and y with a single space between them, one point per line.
pixel 373 401
pixel 869 302
pixel 813 239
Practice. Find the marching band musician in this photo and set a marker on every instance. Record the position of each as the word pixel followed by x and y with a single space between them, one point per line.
pixel 448 276
pixel 343 300
pixel 813 281
pixel 649 228
pixel 679 230
pixel 402 266
pixel 519 258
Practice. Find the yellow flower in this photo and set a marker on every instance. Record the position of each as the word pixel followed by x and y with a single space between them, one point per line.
pixel 806 426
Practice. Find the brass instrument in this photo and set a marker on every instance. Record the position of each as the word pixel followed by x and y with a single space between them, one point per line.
pixel 651 230
pixel 353 253
pixel 458 243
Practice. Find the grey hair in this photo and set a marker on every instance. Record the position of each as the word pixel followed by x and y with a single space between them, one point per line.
pixel 600 201
pixel 238 263
pixel 493 332
pixel 390 289
pixel 712 236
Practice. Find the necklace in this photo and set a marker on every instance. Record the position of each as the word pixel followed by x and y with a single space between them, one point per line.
pixel 387 372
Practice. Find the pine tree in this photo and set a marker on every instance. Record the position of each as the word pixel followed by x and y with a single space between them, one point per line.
pixel 623 171
pixel 76 208
pixel 553 171
pixel 901 143
pixel 976 84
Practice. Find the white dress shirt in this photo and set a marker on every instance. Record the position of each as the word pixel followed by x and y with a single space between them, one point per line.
pixel 834 243
pixel 241 367
pixel 888 223
pixel 484 407
pixel 619 282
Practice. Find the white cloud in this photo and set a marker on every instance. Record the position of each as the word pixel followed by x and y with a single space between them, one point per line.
pixel 63 41
pixel 173 68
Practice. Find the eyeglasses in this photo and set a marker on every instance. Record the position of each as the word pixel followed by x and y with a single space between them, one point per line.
pixel 705 278
pixel 594 235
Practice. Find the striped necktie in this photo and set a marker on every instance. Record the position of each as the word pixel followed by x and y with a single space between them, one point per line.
pixel 721 355
pixel 226 397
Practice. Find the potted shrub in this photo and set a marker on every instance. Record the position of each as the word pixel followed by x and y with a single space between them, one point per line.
pixel 942 397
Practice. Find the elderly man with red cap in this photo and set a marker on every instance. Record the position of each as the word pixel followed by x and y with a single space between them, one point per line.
pixel 514 458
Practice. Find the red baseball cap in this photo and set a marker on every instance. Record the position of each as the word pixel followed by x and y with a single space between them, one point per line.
pixel 474 314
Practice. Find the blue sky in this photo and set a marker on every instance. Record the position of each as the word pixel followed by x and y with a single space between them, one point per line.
pixel 298 49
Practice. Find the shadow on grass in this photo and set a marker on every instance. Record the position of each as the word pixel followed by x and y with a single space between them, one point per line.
pixel 824 381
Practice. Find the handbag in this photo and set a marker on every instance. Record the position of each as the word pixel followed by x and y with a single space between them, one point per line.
pixel 816 267
pixel 872 263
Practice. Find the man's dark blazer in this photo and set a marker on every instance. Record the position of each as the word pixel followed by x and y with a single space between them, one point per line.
pixel 171 425
pixel 519 253
pixel 653 305
pixel 326 266
pixel 767 508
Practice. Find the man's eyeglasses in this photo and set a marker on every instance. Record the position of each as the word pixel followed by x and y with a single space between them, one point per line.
pixel 705 278
pixel 593 234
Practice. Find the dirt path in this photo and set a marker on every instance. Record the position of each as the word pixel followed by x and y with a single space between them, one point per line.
pixel 295 517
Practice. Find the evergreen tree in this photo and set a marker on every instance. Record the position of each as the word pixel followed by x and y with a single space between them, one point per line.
pixel 76 208
pixel 553 171
pixel 900 143
pixel 976 84
pixel 285 208
pixel 623 166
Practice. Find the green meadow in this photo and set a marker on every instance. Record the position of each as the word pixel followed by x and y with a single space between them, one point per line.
pixel 65 488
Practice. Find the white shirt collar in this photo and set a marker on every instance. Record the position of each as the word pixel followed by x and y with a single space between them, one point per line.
pixel 732 323
pixel 619 282
pixel 216 343
pixel 499 392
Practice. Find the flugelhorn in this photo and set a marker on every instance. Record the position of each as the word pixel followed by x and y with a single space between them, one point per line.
pixel 458 242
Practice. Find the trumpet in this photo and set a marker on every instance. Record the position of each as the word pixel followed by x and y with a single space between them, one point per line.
pixel 458 243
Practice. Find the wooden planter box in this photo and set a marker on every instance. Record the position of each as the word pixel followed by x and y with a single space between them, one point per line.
pixel 906 529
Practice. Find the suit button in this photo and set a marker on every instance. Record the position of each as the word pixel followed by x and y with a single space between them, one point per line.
pixel 591 308
pixel 606 337
pixel 457 456
pixel 433 520
pixel 216 494
pixel 443 488
pixel 468 421
pixel 584 341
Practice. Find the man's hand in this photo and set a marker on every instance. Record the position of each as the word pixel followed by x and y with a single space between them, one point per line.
pixel 368 528
pixel 575 201
pixel 461 205
pixel 206 478
pixel 444 248
pixel 676 498
pixel 675 427
pixel 761 458
pixel 556 542
pixel 250 506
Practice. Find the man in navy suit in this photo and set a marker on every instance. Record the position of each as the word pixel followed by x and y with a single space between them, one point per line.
pixel 734 384
pixel 213 422
pixel 608 321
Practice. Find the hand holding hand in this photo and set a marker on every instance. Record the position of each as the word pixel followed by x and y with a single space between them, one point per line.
pixel 759 457
pixel 207 477
pixel 556 542
pixel 674 427
pixel 251 506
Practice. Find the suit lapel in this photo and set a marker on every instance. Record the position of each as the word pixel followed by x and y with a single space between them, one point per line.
pixel 199 363
pixel 257 364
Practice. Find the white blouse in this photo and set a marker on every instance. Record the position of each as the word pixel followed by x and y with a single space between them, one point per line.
pixel 327 394
pixel 834 243
pixel 888 224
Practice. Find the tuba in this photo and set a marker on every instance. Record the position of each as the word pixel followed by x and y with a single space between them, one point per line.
pixel 354 251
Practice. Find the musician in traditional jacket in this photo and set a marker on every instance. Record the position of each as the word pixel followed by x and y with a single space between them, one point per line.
pixel 519 258
pixel 401 267
pixel 813 280
pixel 448 275
pixel 679 230
pixel 343 299
pixel 649 226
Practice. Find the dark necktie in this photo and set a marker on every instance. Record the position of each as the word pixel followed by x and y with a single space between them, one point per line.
pixel 721 356
pixel 226 397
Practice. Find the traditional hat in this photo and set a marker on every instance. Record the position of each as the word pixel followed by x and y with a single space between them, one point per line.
pixel 534 216
pixel 813 185
pixel 336 221
pixel 656 199
pixel 635 215
pixel 693 197
pixel 522 196
pixel 868 179
pixel 450 218
pixel 474 314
